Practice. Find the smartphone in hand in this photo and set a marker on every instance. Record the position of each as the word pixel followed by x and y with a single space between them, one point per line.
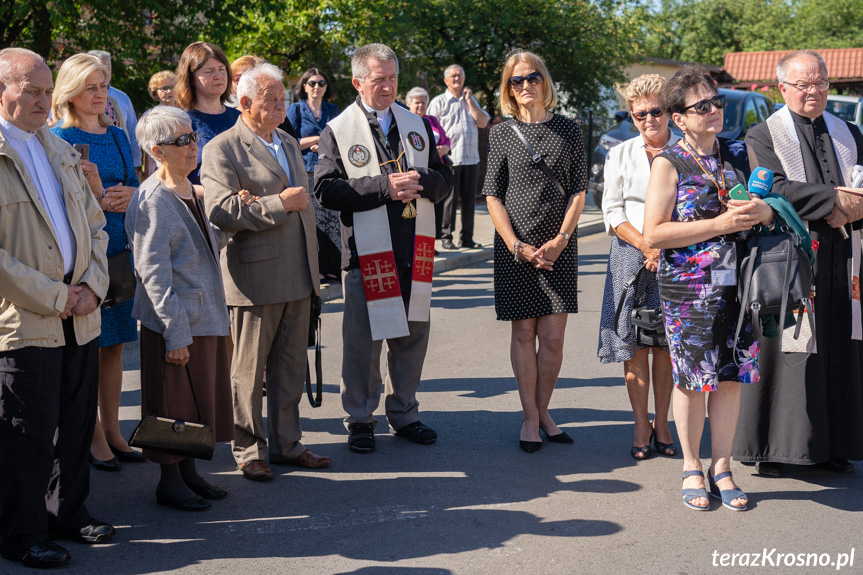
pixel 84 150
pixel 739 192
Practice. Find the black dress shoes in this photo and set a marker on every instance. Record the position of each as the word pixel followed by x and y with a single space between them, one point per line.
pixel 448 245
pixel 108 465
pixel 362 438
pixel 770 468
pixel 131 456
pixel 839 466
pixel 163 497
pixel 418 432
pixel 93 533
pixel 43 555
pixel 529 446
pixel 209 491
pixel 561 437
pixel 470 245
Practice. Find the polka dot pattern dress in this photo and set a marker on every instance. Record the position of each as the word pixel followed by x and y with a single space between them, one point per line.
pixel 536 209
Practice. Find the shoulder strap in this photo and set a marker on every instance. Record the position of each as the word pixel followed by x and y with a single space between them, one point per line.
pixel 537 159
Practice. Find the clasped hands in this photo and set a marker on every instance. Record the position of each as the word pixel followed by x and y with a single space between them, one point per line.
pixel 80 300
pixel 544 257
pixel 117 197
pixel 404 186
pixel 847 207
pixel 741 215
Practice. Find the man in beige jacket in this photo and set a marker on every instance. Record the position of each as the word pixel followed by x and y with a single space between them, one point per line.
pixel 270 269
pixel 53 276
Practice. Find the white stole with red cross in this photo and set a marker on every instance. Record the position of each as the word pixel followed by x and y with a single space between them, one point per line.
pixel 372 229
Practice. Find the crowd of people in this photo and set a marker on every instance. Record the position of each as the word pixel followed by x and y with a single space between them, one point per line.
pixel 232 207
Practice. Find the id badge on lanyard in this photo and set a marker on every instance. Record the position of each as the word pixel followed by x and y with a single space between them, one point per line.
pixel 723 270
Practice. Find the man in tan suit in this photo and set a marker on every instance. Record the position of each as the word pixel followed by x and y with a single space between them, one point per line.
pixel 270 269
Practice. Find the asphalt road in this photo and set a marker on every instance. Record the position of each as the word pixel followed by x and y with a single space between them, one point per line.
pixel 474 503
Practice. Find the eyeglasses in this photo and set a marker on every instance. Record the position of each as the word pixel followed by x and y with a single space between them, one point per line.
pixel 806 88
pixel 655 112
pixel 316 84
pixel 165 88
pixel 183 140
pixel 533 79
pixel 703 107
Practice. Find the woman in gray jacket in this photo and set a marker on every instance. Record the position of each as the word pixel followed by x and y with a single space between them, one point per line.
pixel 180 303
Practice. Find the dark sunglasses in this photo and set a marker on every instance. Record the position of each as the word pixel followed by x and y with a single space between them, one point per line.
pixel 655 112
pixel 703 107
pixel 183 140
pixel 518 81
pixel 316 84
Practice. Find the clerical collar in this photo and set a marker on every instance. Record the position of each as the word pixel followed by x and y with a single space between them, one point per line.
pixel 383 116
pixel 798 119
pixel 13 131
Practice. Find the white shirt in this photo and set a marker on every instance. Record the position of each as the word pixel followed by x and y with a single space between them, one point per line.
pixel 131 121
pixel 627 171
pixel 459 125
pixel 278 152
pixel 385 117
pixel 41 173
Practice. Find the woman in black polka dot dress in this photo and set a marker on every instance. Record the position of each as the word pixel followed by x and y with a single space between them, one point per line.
pixel 535 250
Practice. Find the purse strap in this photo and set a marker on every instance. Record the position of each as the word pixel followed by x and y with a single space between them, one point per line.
pixel 122 157
pixel 537 160
pixel 315 400
pixel 626 287
pixel 161 394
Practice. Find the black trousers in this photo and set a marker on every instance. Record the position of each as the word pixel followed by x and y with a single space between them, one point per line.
pixel 464 180
pixel 47 415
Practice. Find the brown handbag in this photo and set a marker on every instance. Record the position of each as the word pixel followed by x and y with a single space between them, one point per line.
pixel 175 436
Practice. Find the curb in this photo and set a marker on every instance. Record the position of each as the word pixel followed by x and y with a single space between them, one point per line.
pixel 456 260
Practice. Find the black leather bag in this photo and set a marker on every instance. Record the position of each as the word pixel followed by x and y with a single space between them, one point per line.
pixel 175 436
pixel 315 341
pixel 648 322
pixel 121 279
pixel 775 276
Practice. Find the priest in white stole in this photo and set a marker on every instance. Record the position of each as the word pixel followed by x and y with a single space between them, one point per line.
pixel 379 168
pixel 811 413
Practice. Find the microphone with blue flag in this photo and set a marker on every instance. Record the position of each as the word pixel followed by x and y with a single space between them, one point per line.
pixel 760 181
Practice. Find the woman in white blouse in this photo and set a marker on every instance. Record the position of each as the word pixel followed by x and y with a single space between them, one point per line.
pixel 627 171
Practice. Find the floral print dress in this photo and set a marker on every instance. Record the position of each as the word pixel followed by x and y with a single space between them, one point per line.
pixel 700 317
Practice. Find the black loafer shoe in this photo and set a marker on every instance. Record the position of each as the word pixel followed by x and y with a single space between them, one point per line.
pixel 109 465
pixel 192 504
pixel 471 245
pixel 131 456
pixel 362 437
pixel 43 555
pixel 448 245
pixel 418 432
pixel 770 468
pixel 839 466
pixel 209 491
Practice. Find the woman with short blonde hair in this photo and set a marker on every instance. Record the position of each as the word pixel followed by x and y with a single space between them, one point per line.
pixel 71 81
pixel 161 87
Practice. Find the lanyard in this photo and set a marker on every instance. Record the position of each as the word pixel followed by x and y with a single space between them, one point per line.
pixel 721 189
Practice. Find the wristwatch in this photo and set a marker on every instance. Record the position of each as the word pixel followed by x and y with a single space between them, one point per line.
pixel 565 235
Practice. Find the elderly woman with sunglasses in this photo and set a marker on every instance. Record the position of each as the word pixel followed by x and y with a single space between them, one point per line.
pixel 627 171
pixel 535 210
pixel 180 302
pixel 690 218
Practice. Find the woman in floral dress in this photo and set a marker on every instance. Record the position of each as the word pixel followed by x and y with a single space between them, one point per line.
pixel 689 215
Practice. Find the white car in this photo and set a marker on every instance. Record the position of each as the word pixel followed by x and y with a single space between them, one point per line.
pixel 848 108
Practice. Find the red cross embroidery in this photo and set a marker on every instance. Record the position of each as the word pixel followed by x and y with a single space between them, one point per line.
pixel 423 259
pixel 380 279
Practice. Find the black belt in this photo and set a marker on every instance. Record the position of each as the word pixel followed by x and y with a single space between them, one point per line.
pixel 67 279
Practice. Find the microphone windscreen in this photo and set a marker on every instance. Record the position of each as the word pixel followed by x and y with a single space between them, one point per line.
pixel 760 181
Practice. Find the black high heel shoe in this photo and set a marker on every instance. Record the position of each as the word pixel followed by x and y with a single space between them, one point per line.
pixel 130 456
pixel 529 446
pixel 561 437
pixel 108 465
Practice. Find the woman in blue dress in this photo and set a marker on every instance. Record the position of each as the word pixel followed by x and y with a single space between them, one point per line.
pixel 201 88
pixel 308 116
pixel 690 217
pixel 79 106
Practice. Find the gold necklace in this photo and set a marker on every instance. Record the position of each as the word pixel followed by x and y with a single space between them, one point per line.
pixel 176 193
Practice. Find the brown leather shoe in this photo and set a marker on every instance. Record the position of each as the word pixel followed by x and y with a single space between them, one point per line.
pixel 309 460
pixel 257 470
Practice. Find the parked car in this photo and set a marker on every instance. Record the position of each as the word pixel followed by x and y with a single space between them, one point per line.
pixel 848 108
pixel 743 110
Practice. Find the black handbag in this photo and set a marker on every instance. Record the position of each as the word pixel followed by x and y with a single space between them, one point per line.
pixel 775 276
pixel 648 322
pixel 317 307
pixel 121 279
pixel 174 435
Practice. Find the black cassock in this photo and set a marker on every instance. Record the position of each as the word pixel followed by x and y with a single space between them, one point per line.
pixel 812 412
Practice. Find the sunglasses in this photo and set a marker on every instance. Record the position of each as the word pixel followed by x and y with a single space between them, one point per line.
pixel 703 107
pixel 316 84
pixel 518 81
pixel 183 140
pixel 655 112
